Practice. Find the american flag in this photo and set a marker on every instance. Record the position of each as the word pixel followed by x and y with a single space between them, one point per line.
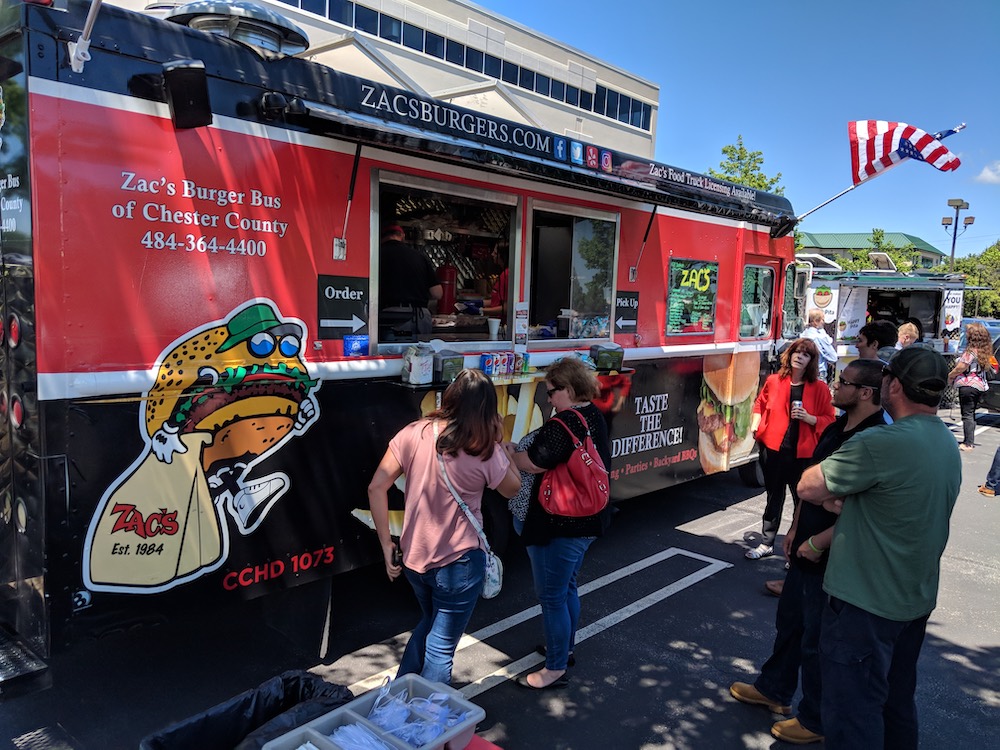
pixel 877 145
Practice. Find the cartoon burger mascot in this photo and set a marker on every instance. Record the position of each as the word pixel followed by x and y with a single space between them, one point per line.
pixel 728 390
pixel 225 397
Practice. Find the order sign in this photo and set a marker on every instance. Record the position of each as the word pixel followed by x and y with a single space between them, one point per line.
pixel 691 296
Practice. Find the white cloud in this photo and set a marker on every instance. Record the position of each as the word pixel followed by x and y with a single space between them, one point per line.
pixel 990 174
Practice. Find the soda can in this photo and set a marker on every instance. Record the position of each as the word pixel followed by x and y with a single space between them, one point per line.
pixel 796 405
pixel 486 363
pixel 504 358
pixel 518 363
pixel 527 362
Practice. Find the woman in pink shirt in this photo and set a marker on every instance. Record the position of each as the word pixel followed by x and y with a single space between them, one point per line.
pixel 441 551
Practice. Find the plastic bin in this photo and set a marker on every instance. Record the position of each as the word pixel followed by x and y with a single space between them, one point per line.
pixel 252 718
pixel 318 730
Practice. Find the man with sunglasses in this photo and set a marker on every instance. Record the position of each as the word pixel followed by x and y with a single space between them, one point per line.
pixel 800 608
pixel 894 489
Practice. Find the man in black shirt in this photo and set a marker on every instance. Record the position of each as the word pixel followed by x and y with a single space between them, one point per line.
pixel 800 608
pixel 406 282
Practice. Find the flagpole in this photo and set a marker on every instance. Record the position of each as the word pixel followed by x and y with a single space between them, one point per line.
pixel 800 217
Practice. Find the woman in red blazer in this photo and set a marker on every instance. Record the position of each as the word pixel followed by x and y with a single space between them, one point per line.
pixel 788 435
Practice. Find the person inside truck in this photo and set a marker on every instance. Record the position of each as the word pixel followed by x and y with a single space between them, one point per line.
pixel 407 282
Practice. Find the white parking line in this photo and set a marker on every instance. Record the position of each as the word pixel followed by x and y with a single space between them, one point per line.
pixel 512 669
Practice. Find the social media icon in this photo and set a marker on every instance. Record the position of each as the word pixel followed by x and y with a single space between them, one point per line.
pixel 559 148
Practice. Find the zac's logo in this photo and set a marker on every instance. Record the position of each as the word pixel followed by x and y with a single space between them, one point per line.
pixel 225 397
pixel 130 520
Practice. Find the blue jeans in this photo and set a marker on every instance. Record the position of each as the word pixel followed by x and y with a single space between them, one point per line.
pixel 446 596
pixel 554 566
pixel 869 678
pixel 993 478
pixel 796 646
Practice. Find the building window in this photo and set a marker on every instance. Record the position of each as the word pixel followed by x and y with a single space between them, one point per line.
pixel 341 11
pixel 586 100
pixel 390 29
pixel 315 6
pixel 573 96
pixel 600 100
pixel 558 91
pixel 492 66
pixel 474 59
pixel 366 19
pixel 543 84
pixel 413 37
pixel 624 108
pixel 510 72
pixel 434 45
pixel 454 52
pixel 527 80
pixel 647 117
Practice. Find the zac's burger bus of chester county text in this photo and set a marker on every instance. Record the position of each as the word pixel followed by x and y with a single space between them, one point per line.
pixel 199 375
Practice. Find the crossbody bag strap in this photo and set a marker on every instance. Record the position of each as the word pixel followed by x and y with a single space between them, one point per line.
pixel 458 498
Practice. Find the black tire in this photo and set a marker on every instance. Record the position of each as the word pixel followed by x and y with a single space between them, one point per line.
pixel 752 474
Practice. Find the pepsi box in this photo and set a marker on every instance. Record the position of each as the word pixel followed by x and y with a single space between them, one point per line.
pixel 355 346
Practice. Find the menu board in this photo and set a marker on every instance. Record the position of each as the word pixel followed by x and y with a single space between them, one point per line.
pixel 691 296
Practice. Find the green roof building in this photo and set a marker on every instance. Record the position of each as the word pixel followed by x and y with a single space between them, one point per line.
pixel 836 245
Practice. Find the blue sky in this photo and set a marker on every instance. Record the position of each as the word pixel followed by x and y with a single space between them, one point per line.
pixel 790 74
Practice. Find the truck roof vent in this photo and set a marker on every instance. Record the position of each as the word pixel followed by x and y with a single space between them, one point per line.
pixel 243 22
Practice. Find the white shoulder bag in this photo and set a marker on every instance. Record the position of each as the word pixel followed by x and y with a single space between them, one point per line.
pixel 493 580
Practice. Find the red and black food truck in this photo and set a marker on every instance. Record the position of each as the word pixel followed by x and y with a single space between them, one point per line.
pixel 190 244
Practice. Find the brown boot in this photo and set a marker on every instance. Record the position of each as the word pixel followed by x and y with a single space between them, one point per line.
pixel 791 731
pixel 746 693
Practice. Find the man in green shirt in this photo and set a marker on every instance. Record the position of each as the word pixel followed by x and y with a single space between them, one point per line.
pixel 894 488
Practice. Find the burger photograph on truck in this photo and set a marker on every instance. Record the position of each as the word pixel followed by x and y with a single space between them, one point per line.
pixel 728 389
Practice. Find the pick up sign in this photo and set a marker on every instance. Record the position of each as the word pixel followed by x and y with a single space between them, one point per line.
pixel 626 311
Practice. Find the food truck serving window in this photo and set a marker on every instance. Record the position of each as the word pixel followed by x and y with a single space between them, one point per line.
pixel 691 296
pixel 466 235
pixel 755 310
pixel 572 262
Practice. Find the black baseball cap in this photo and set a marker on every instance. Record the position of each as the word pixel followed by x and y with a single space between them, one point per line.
pixel 919 370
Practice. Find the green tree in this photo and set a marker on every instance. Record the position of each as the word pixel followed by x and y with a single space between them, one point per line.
pixel 745 167
pixel 982 269
pixel 904 257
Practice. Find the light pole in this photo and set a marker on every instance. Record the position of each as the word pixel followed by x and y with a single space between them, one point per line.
pixel 959 205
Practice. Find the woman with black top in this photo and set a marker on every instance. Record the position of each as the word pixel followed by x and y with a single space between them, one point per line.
pixel 556 544
pixel 790 413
